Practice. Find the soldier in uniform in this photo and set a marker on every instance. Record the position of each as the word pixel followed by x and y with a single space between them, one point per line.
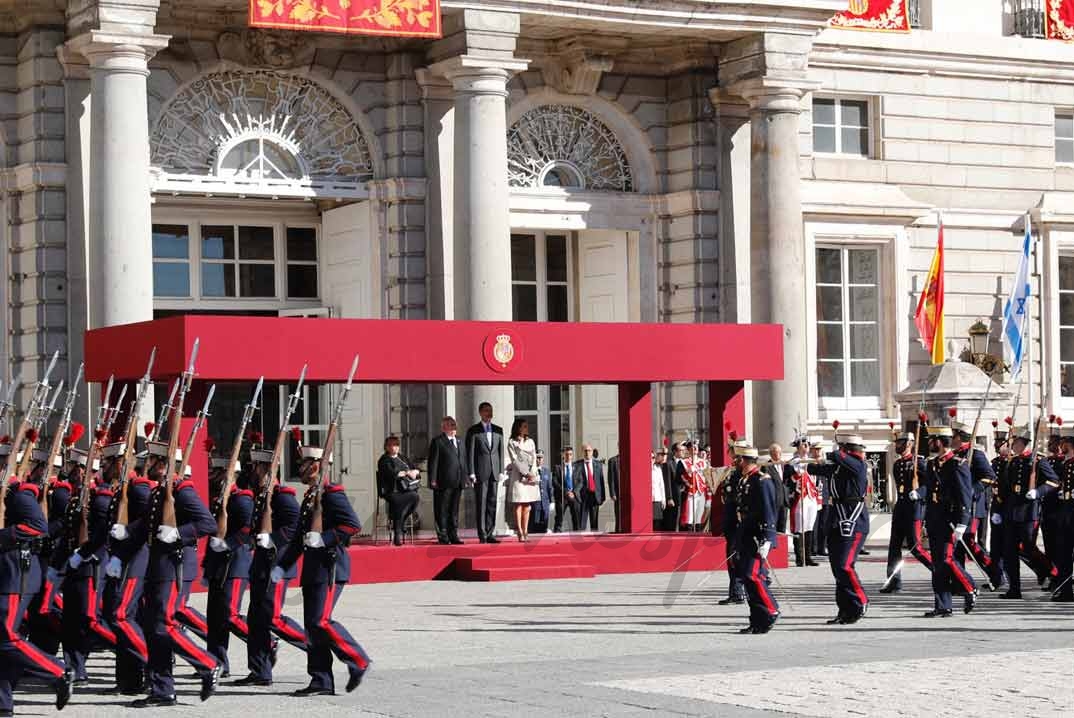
pixel 265 616
pixel 948 506
pixel 983 478
pixel 20 579
pixel 696 497
pixel 325 570
pixel 1064 520
pixel 908 512
pixel 46 609
pixel 82 565
pixel 804 500
pixel 848 480
pixel 824 510
pixel 1049 500
pixel 1024 481
pixel 756 536
pixel 1002 445
pixel 226 566
pixel 126 571
pixel 736 592
pixel 171 567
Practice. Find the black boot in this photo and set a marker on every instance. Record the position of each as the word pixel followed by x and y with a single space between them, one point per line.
pixel 798 560
pixel 809 550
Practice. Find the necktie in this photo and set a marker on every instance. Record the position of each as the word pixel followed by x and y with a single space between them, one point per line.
pixel 589 476
pixel 488 435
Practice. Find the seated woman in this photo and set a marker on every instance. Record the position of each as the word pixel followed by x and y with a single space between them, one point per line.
pixel 397 484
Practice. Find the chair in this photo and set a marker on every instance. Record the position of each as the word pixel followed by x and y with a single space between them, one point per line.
pixel 408 529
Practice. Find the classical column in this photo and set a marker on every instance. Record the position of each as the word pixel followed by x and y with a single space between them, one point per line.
pixel 777 251
pixel 120 248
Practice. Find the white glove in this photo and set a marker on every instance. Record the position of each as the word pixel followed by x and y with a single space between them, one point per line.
pixel 1031 494
pixel 914 496
pixel 119 532
pixel 75 561
pixel 276 575
pixel 114 569
pixel 763 549
pixel 960 531
pixel 217 544
pixel 168 534
pixel 996 519
pixel 265 541
pixel 52 576
pixel 313 539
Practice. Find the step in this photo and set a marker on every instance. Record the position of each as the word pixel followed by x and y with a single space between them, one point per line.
pixel 511 560
pixel 527 573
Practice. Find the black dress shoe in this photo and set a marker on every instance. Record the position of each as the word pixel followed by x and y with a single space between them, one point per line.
pixel 397 540
pixel 443 540
pixel 970 601
pixel 209 681
pixel 4 712
pixel 492 539
pixel 154 702
pixel 811 562
pixel 457 541
pixel 731 600
pixel 1010 595
pixel 938 613
pixel 253 680
pixel 63 686
pixel 893 588
pixel 355 679
pixel 481 539
pixel 748 630
pixel 837 621
pixel 123 691
pixel 313 691
pixel 864 552
pixel 1063 598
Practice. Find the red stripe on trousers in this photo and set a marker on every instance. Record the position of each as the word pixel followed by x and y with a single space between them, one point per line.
pixel 762 590
pixel 46 598
pixel 277 615
pixel 849 568
pixel 177 636
pixel 233 608
pixel 917 541
pixel 326 625
pixel 27 649
pixel 91 616
pixel 124 625
pixel 956 570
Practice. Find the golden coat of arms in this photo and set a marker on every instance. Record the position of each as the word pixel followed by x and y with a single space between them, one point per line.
pixel 859 7
pixel 504 351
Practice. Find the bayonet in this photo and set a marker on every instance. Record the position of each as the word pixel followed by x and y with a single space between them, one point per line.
pixel 193 357
pixel 149 367
pixel 208 400
pixel 51 366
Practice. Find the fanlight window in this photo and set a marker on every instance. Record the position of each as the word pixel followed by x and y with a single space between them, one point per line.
pixel 259 158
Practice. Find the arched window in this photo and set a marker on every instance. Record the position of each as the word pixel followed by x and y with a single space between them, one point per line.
pixel 259 158
pixel 565 146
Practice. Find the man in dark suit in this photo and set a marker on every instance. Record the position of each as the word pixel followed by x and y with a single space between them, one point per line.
pixel 563 492
pixel 484 458
pixel 670 493
pixel 776 470
pixel 589 486
pixel 613 487
pixel 447 474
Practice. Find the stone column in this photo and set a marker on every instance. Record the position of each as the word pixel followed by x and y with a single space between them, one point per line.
pixel 120 246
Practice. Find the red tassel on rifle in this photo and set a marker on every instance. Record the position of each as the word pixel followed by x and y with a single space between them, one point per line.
pixel 209 445
pixel 1051 418
pixel 296 434
pixel 31 435
pixel 5 439
pixel 922 417
pixel 952 412
pixel 99 434
pixel 734 436
pixel 835 424
pixel 257 438
pixel 74 434
pixel 1009 420
pixel 995 423
pixel 1058 421
pixel 149 426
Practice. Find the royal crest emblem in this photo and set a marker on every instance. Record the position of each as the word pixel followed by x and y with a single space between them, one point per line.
pixel 504 351
pixel 859 7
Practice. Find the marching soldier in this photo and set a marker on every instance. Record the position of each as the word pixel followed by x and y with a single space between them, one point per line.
pixel 756 536
pixel 1064 521
pixel 1002 445
pixel 82 564
pixel 45 613
pixel 949 496
pixel 265 615
pixel 848 480
pixel 983 478
pixel 20 579
pixel 1018 513
pixel 908 512
pixel 171 567
pixel 226 566
pixel 325 569
pixel 736 592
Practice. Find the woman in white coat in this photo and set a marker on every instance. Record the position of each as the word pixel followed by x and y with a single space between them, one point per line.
pixel 523 487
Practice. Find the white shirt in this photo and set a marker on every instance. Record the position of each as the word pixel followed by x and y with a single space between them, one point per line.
pixel 658 485
pixel 488 434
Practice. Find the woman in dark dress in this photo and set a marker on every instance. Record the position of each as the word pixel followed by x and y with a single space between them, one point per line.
pixel 397 484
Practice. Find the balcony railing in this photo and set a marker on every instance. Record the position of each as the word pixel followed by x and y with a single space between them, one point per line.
pixel 915 13
pixel 1029 18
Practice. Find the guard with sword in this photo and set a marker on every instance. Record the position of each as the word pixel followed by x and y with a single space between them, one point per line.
pixel 226 566
pixel 326 525
pixel 983 478
pixel 948 491
pixel 756 536
pixel 177 519
pixel 275 520
pixel 22 525
pixel 908 513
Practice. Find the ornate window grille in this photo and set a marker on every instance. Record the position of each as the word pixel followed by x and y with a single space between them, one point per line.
pixel 1029 18
pixel 915 13
pixel 565 146
pixel 258 133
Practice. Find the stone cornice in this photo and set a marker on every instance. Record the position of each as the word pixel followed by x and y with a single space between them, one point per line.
pixel 950 54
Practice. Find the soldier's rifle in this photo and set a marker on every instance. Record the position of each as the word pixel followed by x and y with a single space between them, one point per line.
pixel 40 422
pixel 165 410
pixel 233 458
pixel 39 396
pixel 167 514
pixel 922 417
pixel 9 399
pixel 78 511
pixel 317 516
pixel 277 454
pixel 120 515
pixel 58 440
pixel 199 421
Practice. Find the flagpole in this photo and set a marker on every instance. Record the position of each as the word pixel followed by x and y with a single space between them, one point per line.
pixel 1029 333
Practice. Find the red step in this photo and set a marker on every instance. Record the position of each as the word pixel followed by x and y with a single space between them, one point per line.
pixel 519 567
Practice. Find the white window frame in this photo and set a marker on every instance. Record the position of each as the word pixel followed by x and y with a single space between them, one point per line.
pixel 278 219
pixel 871 106
pixel 894 293
pixel 1056 139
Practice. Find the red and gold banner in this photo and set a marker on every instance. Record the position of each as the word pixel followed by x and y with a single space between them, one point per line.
pixel 1059 20
pixel 397 18
pixel 875 15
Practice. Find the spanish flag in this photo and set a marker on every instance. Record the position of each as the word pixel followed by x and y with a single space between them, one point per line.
pixel 929 315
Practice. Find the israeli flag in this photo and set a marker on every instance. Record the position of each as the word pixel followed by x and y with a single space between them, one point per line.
pixel 1016 311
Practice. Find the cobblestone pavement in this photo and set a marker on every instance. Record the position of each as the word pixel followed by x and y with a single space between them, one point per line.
pixel 658 645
